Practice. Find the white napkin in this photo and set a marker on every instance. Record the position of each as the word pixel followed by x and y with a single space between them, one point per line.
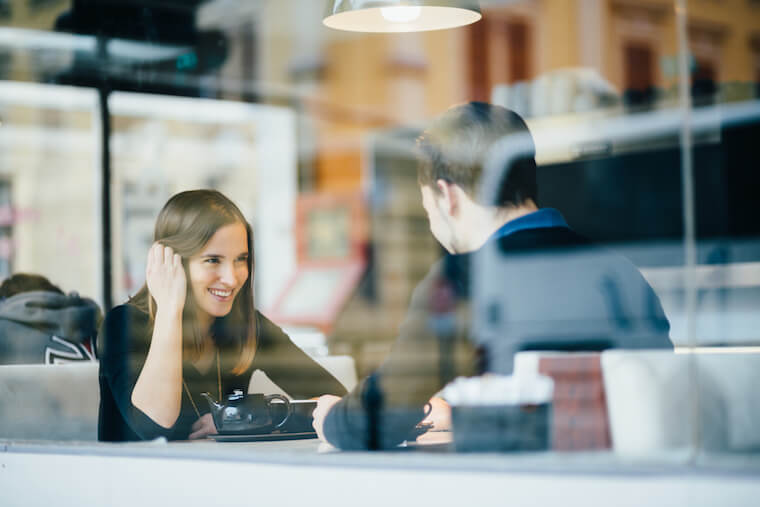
pixel 522 388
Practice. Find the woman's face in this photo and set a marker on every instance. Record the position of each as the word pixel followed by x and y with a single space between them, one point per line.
pixel 218 271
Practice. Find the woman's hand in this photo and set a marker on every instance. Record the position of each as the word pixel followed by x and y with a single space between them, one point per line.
pixel 165 277
pixel 202 427
pixel 158 390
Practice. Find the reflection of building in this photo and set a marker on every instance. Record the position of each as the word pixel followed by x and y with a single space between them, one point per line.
pixel 48 153
pixel 631 44
pixel 29 15
pixel 351 83
pixel 367 83
pixel 348 84
pixel 6 229
pixel 401 250
pixel 50 207
pixel 331 248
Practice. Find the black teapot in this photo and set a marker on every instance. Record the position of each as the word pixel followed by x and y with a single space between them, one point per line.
pixel 246 413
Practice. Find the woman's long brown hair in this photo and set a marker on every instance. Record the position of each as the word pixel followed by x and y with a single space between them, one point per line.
pixel 186 223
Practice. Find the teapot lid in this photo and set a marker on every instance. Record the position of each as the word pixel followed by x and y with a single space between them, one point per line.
pixel 237 394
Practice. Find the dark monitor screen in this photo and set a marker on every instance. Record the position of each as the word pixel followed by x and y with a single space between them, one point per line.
pixel 636 197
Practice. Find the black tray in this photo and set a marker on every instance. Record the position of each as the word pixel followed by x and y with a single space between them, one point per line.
pixel 264 437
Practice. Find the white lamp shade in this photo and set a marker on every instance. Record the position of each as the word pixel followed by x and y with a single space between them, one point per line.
pixel 399 15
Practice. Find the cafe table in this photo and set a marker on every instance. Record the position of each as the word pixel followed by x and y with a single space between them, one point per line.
pixel 307 472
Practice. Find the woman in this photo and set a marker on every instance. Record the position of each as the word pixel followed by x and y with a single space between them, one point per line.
pixel 193 328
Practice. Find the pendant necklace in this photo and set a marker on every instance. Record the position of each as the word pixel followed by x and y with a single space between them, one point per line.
pixel 218 384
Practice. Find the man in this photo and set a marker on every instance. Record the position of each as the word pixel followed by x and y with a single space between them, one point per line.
pixel 516 278
pixel 39 324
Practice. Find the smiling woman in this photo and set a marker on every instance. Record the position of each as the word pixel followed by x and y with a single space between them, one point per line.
pixel 219 271
pixel 193 328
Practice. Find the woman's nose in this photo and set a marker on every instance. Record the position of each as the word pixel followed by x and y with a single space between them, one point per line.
pixel 227 274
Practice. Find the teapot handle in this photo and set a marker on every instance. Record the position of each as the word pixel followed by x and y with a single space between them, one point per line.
pixel 271 397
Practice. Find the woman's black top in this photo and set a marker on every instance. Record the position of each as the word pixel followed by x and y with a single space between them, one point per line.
pixel 124 341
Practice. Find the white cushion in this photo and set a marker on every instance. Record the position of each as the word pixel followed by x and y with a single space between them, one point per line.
pixel 654 399
pixel 50 402
pixel 342 368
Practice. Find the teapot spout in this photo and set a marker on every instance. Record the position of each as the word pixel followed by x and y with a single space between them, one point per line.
pixel 213 405
pixel 215 408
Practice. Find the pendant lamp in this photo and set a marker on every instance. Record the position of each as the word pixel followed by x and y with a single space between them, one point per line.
pixel 399 15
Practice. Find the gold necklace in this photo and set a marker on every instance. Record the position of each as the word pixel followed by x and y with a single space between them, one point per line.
pixel 218 384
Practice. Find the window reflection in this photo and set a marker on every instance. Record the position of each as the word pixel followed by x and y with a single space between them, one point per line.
pixel 261 102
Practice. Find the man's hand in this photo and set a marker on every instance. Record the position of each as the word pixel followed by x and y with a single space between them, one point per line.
pixel 440 414
pixel 202 427
pixel 324 404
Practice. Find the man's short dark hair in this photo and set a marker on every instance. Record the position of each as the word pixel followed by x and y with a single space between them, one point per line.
pixel 455 147
pixel 22 282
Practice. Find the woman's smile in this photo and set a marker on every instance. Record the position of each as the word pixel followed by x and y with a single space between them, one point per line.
pixel 220 294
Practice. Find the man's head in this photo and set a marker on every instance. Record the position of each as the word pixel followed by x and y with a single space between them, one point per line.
pixel 453 152
pixel 23 282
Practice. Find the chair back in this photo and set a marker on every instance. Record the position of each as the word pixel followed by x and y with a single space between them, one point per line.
pixel 342 367
pixel 661 400
pixel 49 402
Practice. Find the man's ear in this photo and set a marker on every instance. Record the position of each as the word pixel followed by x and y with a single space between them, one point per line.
pixel 450 199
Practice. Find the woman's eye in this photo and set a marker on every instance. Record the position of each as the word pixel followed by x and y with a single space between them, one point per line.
pixel 212 260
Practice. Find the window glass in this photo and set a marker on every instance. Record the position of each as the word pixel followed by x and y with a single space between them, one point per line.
pixel 533 235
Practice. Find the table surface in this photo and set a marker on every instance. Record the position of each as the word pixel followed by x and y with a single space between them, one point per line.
pixel 432 453
pixel 211 473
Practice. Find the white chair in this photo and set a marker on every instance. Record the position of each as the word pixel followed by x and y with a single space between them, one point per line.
pixel 342 368
pixel 49 402
pixel 651 399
